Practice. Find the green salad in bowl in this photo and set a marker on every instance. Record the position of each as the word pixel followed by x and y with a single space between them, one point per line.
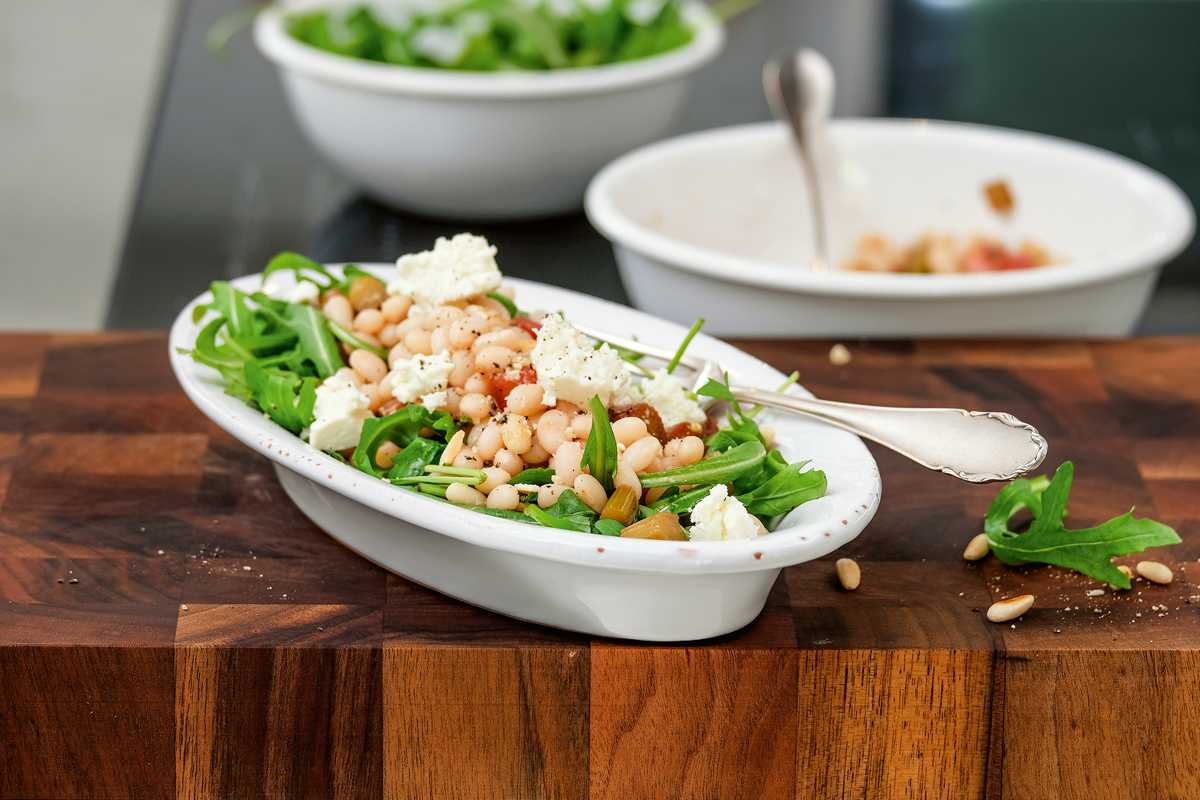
pixel 491 35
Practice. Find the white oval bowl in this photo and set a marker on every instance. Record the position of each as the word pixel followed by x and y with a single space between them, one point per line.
pixel 717 223
pixel 608 586
pixel 503 145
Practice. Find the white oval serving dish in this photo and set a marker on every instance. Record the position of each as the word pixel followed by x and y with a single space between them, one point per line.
pixel 480 145
pixel 716 224
pixel 608 586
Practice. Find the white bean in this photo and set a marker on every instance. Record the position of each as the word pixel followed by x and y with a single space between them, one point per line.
pixel 369 367
pixel 395 308
pixel 525 399
pixel 566 461
pixel 517 436
pixel 639 454
pixel 627 477
pixel 509 462
pixel 548 495
pixel 476 406
pixel 338 309
pixel 552 430
pixel 504 496
pixel 490 441
pixel 495 477
pixel 628 430
pixel 465 495
pixel 590 491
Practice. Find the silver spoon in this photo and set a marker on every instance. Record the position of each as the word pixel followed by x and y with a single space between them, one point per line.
pixel 800 88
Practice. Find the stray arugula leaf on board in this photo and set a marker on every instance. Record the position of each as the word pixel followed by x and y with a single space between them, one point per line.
pixel 1089 550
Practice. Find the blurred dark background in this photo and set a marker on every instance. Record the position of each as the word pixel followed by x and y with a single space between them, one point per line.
pixel 228 179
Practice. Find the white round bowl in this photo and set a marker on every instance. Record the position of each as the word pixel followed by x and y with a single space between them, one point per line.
pixel 481 145
pixel 716 225
pixel 603 585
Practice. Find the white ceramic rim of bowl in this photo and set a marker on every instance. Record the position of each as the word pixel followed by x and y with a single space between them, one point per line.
pixel 285 51
pixel 602 210
pixel 797 544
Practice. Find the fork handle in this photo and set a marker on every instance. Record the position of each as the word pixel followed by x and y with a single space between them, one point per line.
pixel 976 446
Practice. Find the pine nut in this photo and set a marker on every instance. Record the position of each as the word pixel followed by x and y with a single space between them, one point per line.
pixel 978 548
pixel 839 355
pixel 1128 572
pixel 1011 608
pixel 1154 571
pixel 453 448
pixel 848 574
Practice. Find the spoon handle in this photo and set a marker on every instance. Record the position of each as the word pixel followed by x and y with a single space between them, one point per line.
pixel 976 446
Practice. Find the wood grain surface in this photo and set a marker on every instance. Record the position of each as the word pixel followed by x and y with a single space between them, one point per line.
pixel 171 626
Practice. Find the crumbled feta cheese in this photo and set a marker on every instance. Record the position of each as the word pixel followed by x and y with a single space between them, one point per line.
pixel 667 395
pixel 569 368
pixel 340 411
pixel 422 379
pixel 303 292
pixel 454 269
pixel 719 517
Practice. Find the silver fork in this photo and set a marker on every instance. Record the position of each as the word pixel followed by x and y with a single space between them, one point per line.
pixel 975 446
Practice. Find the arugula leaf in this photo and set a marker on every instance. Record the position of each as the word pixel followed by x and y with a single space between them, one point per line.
pixel 299 265
pixel 786 490
pixel 741 425
pixel 568 513
pixel 414 458
pixel 539 476
pixel 349 338
pixel 600 452
pixel 724 468
pixel 684 345
pixel 403 427
pixel 502 513
pixel 609 527
pixel 287 398
pixel 315 342
pixel 550 521
pixel 1089 550
pixel 680 502
pixel 230 304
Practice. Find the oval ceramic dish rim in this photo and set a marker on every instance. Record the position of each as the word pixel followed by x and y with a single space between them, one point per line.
pixel 601 209
pixel 285 51
pixel 779 549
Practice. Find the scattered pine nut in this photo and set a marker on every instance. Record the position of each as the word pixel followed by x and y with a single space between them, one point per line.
pixel 1154 571
pixel 978 548
pixel 839 355
pixel 1127 572
pixel 1011 608
pixel 848 574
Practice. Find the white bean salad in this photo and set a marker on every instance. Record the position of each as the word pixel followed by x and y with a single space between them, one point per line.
pixel 437 383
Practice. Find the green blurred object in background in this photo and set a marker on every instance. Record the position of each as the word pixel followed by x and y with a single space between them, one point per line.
pixel 1119 74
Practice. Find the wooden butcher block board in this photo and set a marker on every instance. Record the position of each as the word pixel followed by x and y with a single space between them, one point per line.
pixel 171 626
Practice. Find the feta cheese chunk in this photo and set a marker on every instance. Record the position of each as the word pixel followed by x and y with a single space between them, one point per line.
pixel 422 379
pixel 453 270
pixel 340 412
pixel 303 292
pixel 569 368
pixel 719 517
pixel 667 395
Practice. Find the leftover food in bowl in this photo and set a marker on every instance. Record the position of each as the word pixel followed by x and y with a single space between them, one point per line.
pixel 496 35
